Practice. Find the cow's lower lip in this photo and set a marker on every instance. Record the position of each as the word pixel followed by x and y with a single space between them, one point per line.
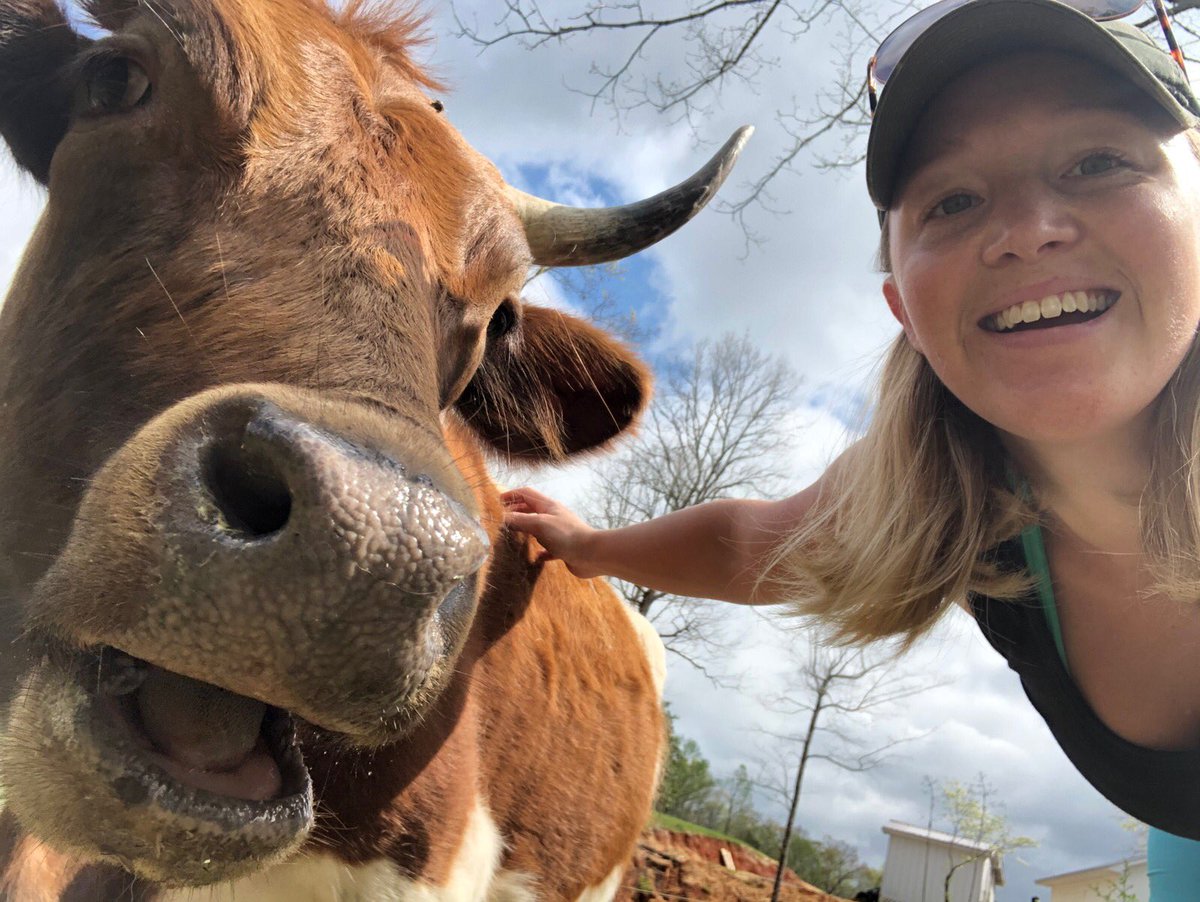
pixel 271 786
pixel 75 771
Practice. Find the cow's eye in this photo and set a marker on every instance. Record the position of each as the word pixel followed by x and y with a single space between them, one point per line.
pixel 503 320
pixel 115 84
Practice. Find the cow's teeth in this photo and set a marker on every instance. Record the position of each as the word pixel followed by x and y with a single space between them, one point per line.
pixel 1052 306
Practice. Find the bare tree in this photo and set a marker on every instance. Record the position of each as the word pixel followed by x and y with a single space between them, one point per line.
pixel 710 44
pixel 834 686
pixel 718 428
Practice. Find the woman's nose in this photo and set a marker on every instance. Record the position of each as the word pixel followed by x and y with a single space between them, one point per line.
pixel 1028 224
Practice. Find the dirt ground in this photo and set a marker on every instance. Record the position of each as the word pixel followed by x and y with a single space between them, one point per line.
pixel 669 866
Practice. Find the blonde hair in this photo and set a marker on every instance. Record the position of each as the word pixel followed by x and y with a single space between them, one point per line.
pixel 1170 506
pixel 908 520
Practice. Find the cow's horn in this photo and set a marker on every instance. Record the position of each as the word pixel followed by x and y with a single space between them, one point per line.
pixel 577 236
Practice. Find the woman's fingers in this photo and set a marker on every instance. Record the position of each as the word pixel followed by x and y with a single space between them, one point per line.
pixel 558 533
pixel 527 499
pixel 533 525
pixel 522 521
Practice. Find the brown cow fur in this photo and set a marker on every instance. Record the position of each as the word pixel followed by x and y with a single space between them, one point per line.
pixel 288 211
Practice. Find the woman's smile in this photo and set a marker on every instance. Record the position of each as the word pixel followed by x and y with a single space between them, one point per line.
pixel 1067 308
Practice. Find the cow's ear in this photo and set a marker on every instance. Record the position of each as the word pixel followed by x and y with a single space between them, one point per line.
pixel 553 387
pixel 35 43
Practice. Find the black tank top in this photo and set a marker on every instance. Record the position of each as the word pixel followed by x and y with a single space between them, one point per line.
pixel 1160 788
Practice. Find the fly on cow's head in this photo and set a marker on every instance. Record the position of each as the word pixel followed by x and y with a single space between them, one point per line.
pixel 269 320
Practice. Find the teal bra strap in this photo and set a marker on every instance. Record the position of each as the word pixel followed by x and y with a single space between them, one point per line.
pixel 1039 567
pixel 1035 557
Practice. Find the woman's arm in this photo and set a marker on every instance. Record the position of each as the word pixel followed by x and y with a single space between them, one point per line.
pixel 714 550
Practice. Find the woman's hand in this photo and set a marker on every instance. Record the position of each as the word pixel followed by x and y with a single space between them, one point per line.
pixel 562 535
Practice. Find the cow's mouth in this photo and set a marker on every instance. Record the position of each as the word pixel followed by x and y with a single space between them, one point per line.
pixel 174 779
pixel 196 745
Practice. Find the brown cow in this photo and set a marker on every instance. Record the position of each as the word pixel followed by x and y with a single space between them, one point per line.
pixel 265 633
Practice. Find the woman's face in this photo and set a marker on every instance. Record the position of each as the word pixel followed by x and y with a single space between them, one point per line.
pixel 1033 193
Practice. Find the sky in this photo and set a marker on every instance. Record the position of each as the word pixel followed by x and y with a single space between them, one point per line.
pixel 810 292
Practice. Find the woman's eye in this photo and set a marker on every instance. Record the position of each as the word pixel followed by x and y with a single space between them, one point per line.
pixel 1097 164
pixel 114 85
pixel 953 204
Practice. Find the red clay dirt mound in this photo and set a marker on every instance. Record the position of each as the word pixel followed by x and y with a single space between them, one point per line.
pixel 669 866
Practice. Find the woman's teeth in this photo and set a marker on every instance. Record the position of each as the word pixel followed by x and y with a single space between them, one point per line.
pixel 1052 306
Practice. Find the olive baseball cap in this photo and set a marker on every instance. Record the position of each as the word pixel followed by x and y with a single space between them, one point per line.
pixel 986 29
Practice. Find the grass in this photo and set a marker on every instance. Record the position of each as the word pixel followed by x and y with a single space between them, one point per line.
pixel 679 825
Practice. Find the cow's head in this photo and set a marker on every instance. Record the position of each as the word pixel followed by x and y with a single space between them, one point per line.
pixel 268 317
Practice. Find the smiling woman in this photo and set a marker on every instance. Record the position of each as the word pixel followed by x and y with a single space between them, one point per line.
pixel 1034 455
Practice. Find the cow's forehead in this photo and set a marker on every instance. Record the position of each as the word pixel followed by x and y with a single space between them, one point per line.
pixel 283 70
pixel 246 46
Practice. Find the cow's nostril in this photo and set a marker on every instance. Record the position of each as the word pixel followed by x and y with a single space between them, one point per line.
pixel 249 490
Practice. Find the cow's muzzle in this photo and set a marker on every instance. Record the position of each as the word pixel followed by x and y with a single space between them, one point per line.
pixel 312 559
pixel 249 556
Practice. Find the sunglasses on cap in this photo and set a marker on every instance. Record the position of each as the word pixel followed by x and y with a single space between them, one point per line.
pixel 896 44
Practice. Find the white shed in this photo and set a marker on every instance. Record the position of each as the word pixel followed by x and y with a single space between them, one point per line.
pixel 918 861
pixel 1098 884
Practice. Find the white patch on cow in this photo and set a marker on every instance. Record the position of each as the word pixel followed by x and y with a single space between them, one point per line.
pixel 605 889
pixel 475 876
pixel 513 886
pixel 652 646
pixel 656 657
